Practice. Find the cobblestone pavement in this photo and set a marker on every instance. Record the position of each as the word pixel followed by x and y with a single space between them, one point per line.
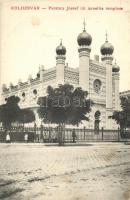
pixel 88 172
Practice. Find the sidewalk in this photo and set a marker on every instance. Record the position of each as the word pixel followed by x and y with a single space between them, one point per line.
pixel 87 143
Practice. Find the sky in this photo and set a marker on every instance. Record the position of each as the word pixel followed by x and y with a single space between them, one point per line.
pixel 28 38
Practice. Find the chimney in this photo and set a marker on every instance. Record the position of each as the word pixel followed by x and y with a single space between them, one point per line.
pixel 67 65
pixel 96 58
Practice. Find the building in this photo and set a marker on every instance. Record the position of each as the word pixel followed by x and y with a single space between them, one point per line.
pixel 99 78
pixel 125 93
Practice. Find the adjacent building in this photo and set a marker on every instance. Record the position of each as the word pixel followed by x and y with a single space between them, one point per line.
pixel 125 93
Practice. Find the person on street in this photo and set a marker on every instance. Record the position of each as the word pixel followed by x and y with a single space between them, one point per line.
pixel 26 137
pixel 74 135
pixel 8 138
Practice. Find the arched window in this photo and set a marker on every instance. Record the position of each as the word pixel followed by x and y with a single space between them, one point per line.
pixel 35 92
pixel 23 94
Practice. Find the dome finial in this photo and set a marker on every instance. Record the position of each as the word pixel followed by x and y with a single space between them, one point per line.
pixel 106 36
pixel 84 25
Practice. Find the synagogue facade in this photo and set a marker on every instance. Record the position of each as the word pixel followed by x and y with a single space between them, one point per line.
pixel 99 78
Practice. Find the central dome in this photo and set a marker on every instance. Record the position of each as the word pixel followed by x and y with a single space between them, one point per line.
pixel 84 38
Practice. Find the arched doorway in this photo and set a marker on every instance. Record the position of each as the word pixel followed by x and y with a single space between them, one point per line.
pixel 97 121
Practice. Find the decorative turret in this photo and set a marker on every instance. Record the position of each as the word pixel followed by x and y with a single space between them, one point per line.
pixel 29 79
pixel 19 81
pixel 115 68
pixel 116 78
pixel 107 50
pixel 4 87
pixel 60 63
pixel 40 74
pixel 11 85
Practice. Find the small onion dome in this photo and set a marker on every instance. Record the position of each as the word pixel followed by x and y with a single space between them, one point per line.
pixel 61 50
pixel 84 38
pixel 107 48
pixel 115 68
pixel 38 75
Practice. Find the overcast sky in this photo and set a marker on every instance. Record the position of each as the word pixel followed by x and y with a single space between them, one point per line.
pixel 29 38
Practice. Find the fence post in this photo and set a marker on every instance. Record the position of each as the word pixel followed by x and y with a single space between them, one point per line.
pixel 50 130
pixel 35 132
pixel 84 132
pixel 41 132
pixel 102 132
pixel 118 134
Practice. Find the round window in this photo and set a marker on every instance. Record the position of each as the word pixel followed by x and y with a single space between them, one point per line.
pixel 97 85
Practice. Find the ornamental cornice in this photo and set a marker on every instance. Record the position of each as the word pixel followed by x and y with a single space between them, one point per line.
pixel 97 69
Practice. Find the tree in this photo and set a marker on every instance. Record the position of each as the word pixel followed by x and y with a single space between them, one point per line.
pixel 26 115
pixel 123 117
pixel 9 111
pixel 64 105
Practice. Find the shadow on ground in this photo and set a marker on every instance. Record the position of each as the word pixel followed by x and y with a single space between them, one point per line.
pixel 68 144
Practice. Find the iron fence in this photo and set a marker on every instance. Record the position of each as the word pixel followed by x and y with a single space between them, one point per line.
pixel 91 135
pixel 49 134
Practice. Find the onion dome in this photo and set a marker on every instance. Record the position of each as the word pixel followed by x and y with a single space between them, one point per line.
pixel 84 38
pixel 107 48
pixel 61 50
pixel 38 74
pixel 115 68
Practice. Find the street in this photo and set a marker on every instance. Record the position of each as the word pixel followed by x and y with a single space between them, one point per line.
pixel 91 171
